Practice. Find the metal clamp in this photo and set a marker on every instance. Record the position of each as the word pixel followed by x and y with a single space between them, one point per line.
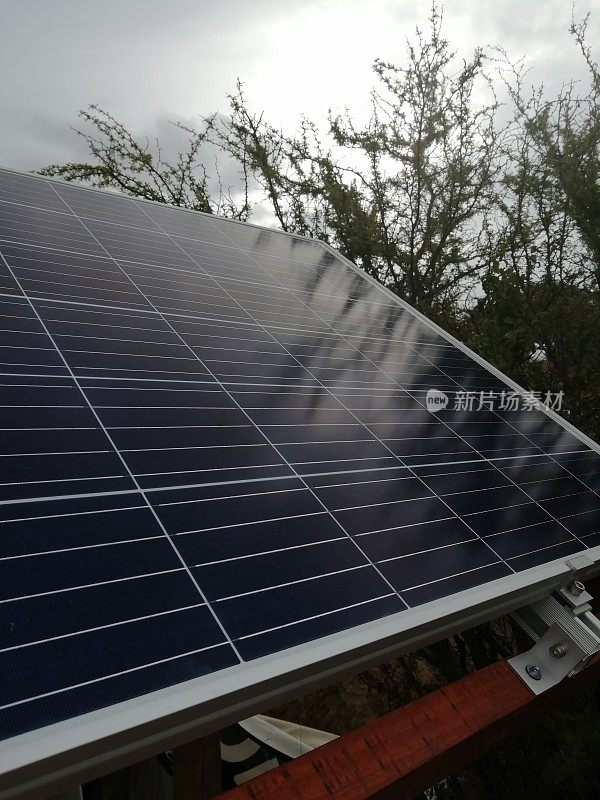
pixel 565 631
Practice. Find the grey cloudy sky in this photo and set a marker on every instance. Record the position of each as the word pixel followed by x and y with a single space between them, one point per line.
pixel 148 61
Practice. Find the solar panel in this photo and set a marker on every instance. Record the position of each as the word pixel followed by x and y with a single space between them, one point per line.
pixel 222 476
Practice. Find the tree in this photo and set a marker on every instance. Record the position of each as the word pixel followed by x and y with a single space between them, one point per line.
pixel 538 317
pixel 403 197
pixel 564 135
pixel 545 335
pixel 136 167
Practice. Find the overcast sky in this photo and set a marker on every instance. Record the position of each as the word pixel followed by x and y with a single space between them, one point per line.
pixel 147 61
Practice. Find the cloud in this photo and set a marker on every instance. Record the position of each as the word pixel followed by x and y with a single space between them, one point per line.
pixel 148 62
pixel 31 139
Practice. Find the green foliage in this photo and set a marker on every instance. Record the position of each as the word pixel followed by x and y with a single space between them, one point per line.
pixel 122 162
pixel 544 334
pixel 568 133
pixel 401 196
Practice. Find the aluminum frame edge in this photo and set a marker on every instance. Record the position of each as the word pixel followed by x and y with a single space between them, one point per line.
pixel 51 759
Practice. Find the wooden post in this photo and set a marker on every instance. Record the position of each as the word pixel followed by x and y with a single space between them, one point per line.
pixel 197 769
pixel 399 755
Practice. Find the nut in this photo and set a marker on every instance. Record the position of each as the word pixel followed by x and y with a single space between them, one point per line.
pixel 576 588
pixel 559 650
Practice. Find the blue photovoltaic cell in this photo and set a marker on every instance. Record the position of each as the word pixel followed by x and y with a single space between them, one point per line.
pixel 215 446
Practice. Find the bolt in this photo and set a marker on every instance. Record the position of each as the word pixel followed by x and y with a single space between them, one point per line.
pixel 534 672
pixel 559 650
pixel 576 588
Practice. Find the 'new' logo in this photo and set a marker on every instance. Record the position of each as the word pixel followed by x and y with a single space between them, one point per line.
pixel 436 400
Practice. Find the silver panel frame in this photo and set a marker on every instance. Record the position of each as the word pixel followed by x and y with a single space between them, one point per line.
pixel 39 763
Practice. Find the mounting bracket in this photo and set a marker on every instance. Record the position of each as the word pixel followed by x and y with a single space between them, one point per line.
pixel 565 631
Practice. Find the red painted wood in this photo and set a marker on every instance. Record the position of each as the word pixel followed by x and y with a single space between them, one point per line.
pixel 399 755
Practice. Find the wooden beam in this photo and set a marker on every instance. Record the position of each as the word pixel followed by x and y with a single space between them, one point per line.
pixel 197 769
pixel 399 755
